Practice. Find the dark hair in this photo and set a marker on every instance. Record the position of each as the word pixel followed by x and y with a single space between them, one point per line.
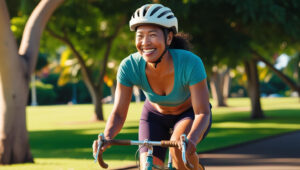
pixel 181 41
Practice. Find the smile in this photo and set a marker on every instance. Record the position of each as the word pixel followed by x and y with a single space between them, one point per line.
pixel 148 51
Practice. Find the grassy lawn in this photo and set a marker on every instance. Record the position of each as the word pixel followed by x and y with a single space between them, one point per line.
pixel 61 136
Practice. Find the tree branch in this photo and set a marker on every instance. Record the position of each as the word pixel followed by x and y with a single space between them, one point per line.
pixel 8 45
pixel 283 77
pixel 108 48
pixel 35 25
pixel 84 69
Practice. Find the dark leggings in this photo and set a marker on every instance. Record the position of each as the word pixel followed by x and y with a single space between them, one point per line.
pixel 156 126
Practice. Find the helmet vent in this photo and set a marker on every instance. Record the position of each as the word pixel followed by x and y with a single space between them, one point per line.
pixel 154 10
pixel 145 11
pixel 164 13
pixel 138 13
pixel 170 16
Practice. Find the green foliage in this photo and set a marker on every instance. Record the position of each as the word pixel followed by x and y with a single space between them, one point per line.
pixel 89 25
pixel 224 31
pixel 13 7
pixel 45 93
pixel 83 96
pixel 17 26
pixel 65 93
pixel 19 8
pixel 41 62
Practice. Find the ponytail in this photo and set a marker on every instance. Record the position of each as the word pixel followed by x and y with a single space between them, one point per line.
pixel 181 41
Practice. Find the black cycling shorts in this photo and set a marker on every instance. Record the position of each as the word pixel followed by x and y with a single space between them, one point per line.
pixel 156 126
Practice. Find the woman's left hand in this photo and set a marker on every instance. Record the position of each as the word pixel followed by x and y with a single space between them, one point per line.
pixel 191 147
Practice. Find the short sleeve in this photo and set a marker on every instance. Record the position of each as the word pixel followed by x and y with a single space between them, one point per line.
pixel 122 75
pixel 197 72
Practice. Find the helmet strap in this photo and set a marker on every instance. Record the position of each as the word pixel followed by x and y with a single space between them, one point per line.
pixel 165 31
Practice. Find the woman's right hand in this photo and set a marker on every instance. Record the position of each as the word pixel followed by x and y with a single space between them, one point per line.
pixel 95 146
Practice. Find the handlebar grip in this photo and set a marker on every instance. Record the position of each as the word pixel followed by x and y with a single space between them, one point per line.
pixel 166 143
pixel 118 142
pixel 189 165
pixel 101 162
pixel 99 153
pixel 111 142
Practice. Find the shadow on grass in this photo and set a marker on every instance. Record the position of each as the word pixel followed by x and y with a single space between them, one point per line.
pixel 274 116
pixel 76 144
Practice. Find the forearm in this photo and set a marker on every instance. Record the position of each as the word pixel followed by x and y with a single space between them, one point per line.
pixel 114 125
pixel 200 124
pixel 118 115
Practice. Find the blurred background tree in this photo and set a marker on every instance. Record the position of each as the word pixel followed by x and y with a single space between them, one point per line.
pixel 86 40
pixel 231 33
pixel 18 59
pixel 226 34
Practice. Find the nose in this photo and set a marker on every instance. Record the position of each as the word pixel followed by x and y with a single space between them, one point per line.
pixel 145 40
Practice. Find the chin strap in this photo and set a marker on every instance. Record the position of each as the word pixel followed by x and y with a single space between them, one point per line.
pixel 159 59
pixel 165 31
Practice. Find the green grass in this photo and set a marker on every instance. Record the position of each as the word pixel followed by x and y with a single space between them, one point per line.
pixel 61 136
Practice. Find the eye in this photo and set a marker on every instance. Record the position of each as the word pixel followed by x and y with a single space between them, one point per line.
pixel 139 36
pixel 153 35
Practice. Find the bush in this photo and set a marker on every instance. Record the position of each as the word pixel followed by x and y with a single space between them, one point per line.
pixel 45 93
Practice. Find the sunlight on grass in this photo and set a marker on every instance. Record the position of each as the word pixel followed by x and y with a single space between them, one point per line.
pixel 61 136
pixel 66 164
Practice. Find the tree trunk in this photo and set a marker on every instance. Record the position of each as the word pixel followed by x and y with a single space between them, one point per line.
pixel 98 105
pixel 253 89
pixel 99 84
pixel 219 83
pixel 14 143
pixel 226 84
pixel 15 70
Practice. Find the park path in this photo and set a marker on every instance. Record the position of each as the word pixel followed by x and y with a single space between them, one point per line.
pixel 275 153
pixel 280 152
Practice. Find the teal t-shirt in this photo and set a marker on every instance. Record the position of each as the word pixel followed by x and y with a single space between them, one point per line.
pixel 188 70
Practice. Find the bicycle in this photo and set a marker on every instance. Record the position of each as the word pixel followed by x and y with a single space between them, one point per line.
pixel 149 144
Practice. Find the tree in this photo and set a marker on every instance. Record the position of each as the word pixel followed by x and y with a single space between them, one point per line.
pixel 213 40
pixel 16 66
pixel 227 32
pixel 93 38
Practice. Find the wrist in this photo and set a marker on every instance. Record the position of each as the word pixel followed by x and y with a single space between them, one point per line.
pixel 192 140
pixel 107 137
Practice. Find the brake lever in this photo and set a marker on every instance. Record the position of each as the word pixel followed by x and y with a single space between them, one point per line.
pixel 100 143
pixel 183 146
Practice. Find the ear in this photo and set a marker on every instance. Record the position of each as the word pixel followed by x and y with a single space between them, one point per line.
pixel 170 37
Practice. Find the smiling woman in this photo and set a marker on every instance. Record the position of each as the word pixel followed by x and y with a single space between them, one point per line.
pixel 150 42
pixel 173 80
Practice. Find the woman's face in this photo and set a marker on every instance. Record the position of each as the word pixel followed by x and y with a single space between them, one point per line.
pixel 150 42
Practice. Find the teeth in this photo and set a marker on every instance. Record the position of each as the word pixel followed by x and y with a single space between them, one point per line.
pixel 148 51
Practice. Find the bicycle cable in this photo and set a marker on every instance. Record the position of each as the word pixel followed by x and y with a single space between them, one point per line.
pixel 137 161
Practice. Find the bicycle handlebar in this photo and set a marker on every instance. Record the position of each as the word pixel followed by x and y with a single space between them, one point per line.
pixel 163 143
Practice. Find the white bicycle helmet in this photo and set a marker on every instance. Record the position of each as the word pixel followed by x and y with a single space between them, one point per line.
pixel 154 14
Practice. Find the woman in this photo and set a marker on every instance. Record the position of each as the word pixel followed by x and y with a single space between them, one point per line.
pixel 173 80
